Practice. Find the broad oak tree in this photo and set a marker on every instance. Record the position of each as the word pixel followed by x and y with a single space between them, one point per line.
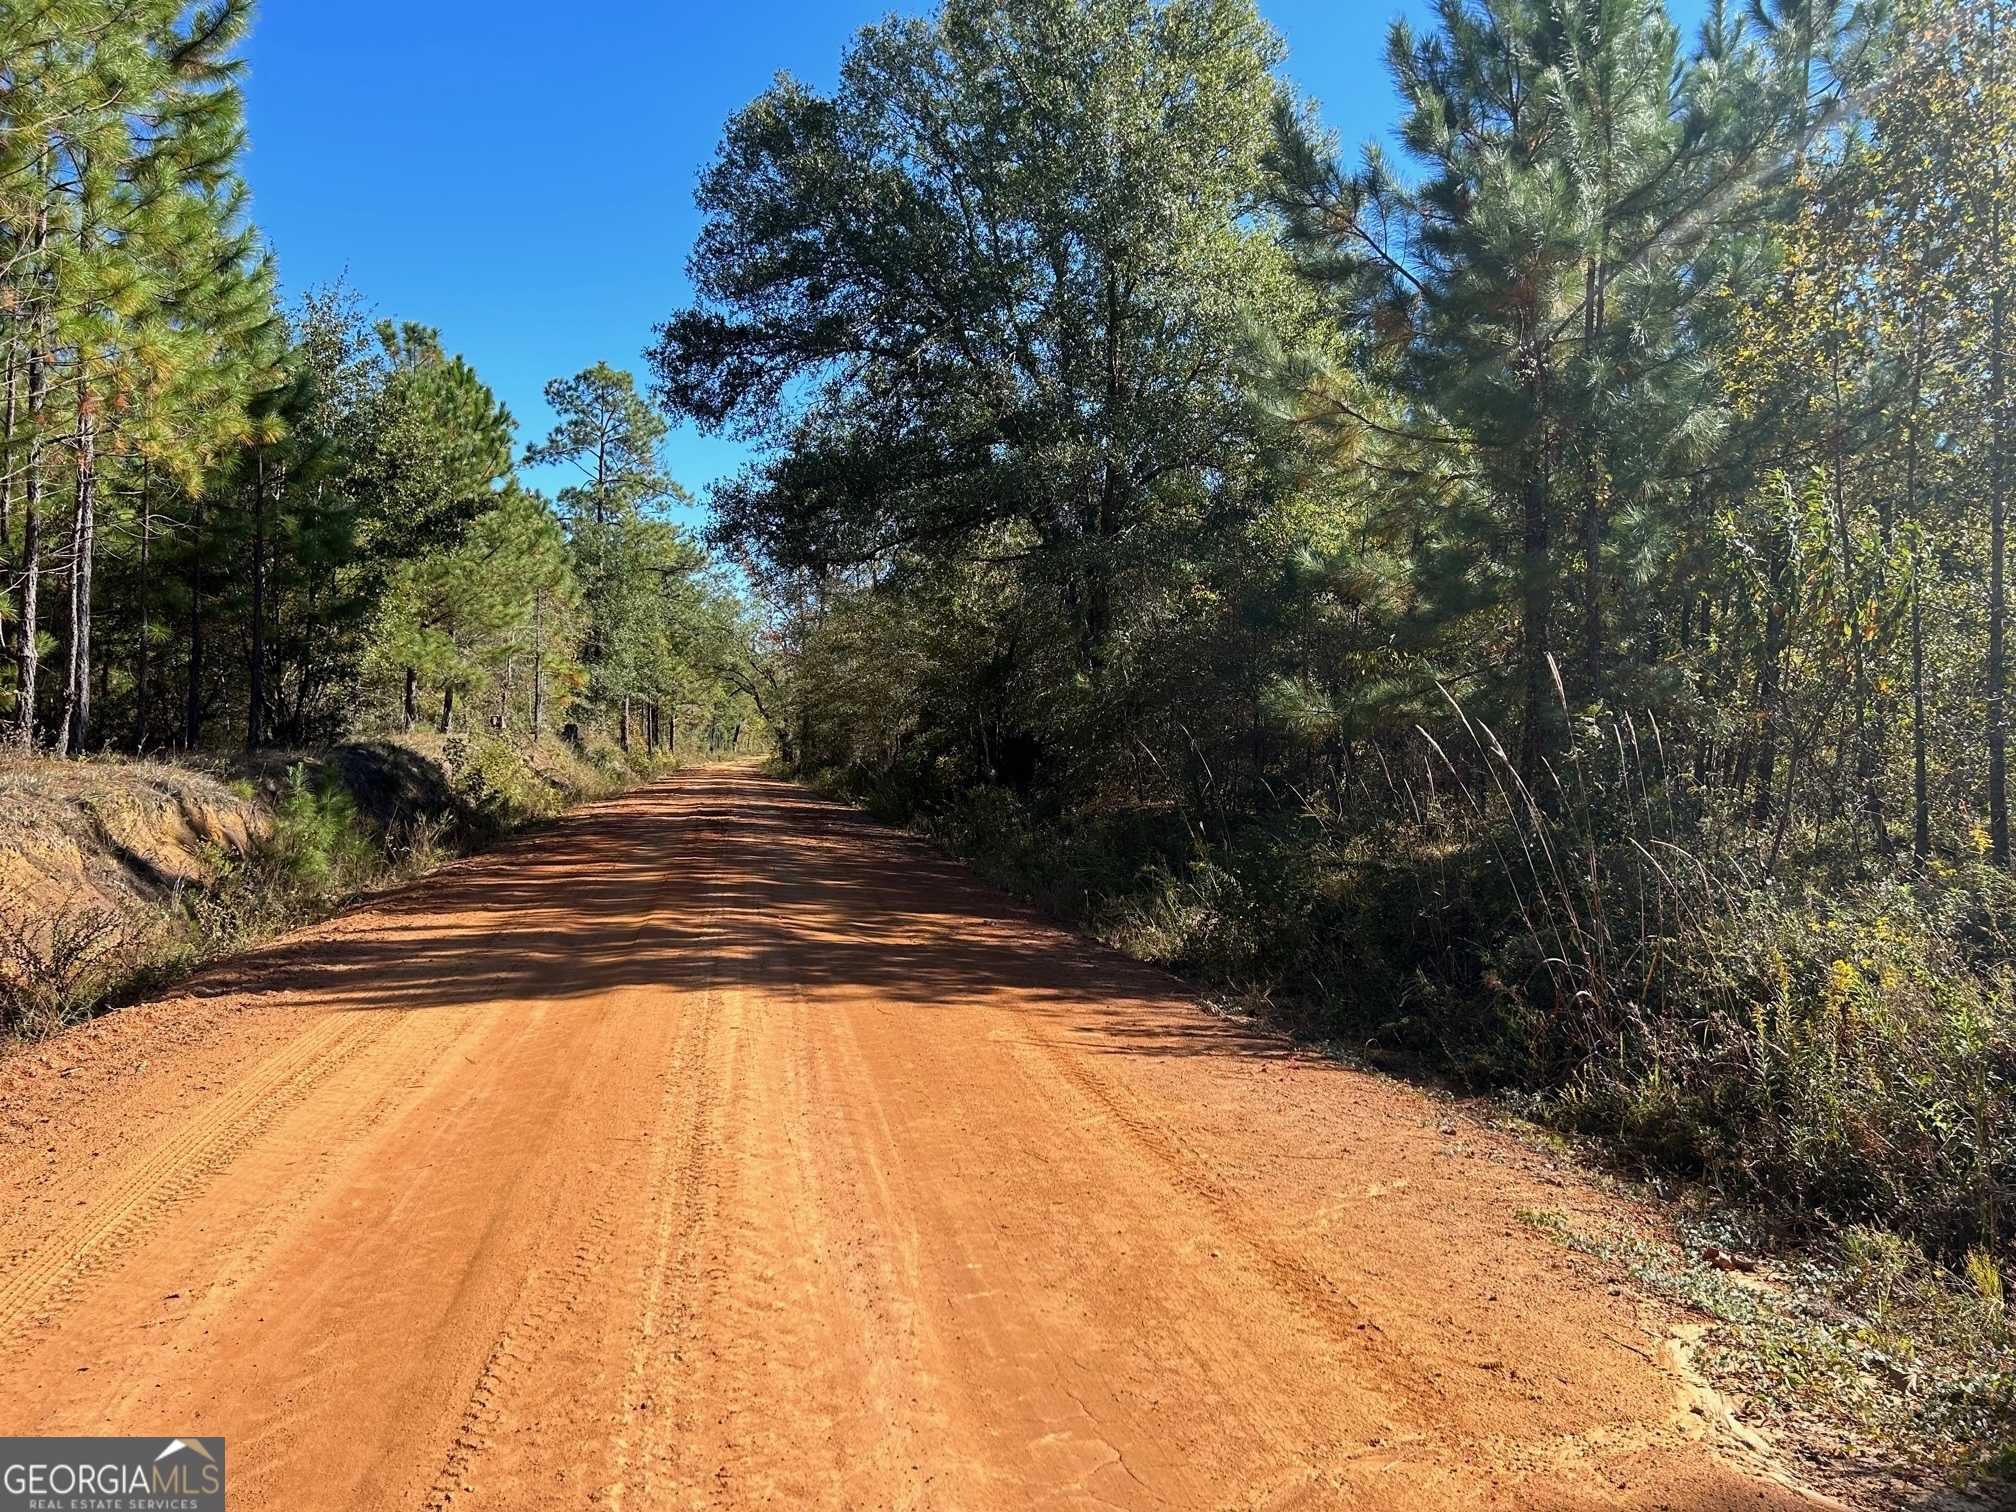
pixel 993 294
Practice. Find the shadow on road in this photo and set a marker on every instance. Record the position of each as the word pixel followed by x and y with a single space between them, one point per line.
pixel 725 872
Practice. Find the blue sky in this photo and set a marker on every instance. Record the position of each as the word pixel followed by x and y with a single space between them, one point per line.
pixel 520 175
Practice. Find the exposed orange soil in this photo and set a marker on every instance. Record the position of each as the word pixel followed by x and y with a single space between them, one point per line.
pixel 718 1148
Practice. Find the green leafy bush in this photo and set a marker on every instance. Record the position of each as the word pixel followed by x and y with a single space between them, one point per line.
pixel 1843 1053
pixel 321 849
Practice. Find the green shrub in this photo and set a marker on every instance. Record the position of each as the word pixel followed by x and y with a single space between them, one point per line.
pixel 320 850
pixel 1840 1054
pixel 320 842
pixel 498 784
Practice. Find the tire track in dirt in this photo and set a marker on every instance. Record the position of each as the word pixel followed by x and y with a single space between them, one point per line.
pixel 568 1299
pixel 746 1322
pixel 985 1330
pixel 38 1282
pixel 1302 1285
pixel 544 1297
pixel 1059 1338
pixel 688 1263
pixel 877 1331
pixel 445 1282
pixel 307 1148
pixel 1407 1454
pixel 706 1187
pixel 675 1193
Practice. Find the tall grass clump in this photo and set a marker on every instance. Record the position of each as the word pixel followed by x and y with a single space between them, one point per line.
pixel 1840 1045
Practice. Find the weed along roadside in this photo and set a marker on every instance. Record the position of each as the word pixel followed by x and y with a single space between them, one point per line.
pixel 121 877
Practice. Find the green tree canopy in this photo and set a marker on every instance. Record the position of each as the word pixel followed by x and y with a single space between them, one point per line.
pixel 993 292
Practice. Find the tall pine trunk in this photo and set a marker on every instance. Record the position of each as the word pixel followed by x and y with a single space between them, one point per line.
pixel 1998 489
pixel 1592 496
pixel 76 724
pixel 1704 744
pixel 255 701
pixel 143 652
pixel 538 668
pixel 29 612
pixel 1921 808
pixel 28 615
pixel 84 552
pixel 7 463
pixel 192 713
pixel 12 423
pixel 1536 610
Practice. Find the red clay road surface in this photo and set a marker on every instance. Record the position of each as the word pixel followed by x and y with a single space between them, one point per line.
pixel 718 1148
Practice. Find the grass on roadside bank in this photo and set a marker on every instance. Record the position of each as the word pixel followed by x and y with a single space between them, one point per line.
pixel 131 874
pixel 1877 1368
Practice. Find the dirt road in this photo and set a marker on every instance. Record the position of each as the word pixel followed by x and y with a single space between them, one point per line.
pixel 718 1148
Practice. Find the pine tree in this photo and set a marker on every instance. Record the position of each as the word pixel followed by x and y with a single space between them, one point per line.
pixel 439 446
pixel 1541 295
pixel 623 551
pixel 459 618
pixel 125 123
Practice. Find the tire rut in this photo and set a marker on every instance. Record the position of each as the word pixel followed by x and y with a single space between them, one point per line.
pixel 690 1260
pixel 676 1191
pixel 38 1282
pixel 1300 1284
pixel 571 1299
